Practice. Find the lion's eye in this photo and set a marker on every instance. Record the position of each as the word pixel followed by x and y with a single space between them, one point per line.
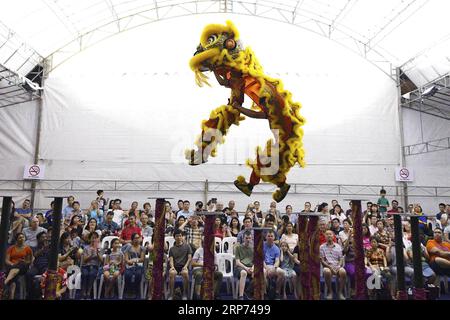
pixel 212 38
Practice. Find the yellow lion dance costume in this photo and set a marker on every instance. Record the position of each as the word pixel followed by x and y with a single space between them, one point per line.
pixel 237 68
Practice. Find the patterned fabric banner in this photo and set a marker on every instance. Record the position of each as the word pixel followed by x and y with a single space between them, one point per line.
pixel 313 259
pixel 158 249
pixel 360 268
pixel 305 274
pixel 209 251
pixel 258 262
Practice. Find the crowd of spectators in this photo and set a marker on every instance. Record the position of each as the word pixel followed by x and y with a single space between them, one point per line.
pixel 129 258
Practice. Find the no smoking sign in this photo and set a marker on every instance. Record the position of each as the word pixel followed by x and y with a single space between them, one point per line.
pixel 34 171
pixel 404 174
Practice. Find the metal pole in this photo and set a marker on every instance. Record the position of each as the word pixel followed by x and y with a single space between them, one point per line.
pixel 402 137
pixel 52 271
pixel 401 289
pixel 158 249
pixel 206 192
pixel 360 268
pixel 4 228
pixel 419 291
pixel 37 146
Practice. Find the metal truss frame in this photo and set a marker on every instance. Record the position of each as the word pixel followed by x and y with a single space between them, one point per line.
pixel 216 187
pixel 426 147
pixel 16 54
pixel 292 13
pixel 15 88
pixel 437 104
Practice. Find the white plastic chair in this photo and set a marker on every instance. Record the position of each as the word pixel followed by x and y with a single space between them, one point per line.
pixel 225 265
pixel 170 241
pixel 228 245
pixel 74 280
pixel 218 244
pixel 108 240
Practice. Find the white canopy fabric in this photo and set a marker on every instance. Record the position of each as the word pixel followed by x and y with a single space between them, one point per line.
pixel 389 33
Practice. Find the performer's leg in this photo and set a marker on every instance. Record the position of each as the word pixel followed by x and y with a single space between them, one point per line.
pixel 245 187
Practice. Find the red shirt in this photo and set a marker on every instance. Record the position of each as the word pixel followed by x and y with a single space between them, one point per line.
pixel 323 239
pixel 128 232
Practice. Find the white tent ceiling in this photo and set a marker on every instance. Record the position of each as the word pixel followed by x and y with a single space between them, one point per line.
pixel 388 33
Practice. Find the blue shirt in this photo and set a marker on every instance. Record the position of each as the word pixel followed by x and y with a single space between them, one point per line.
pixel 49 216
pixel 67 211
pixel 271 253
pixel 24 211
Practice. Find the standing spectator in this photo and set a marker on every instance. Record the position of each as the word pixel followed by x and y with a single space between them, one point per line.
pixel 323 208
pixel 439 252
pixel 67 211
pixel 17 261
pixel 383 203
pixel 180 204
pixel 289 237
pixel 349 258
pixel 349 211
pixel 272 269
pixel 333 262
pixel 134 256
pixel 31 232
pixel 244 262
pixel 119 214
pixel 274 211
pixel 101 200
pixel 91 258
pixel 180 256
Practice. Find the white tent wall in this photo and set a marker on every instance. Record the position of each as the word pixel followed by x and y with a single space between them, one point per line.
pixel 127 109
pixel 433 168
pixel 17 144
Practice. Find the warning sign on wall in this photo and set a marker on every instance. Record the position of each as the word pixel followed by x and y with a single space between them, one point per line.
pixel 404 174
pixel 34 171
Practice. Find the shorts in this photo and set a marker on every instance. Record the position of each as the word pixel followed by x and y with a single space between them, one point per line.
pixel 289 273
pixel 439 270
pixel 23 268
